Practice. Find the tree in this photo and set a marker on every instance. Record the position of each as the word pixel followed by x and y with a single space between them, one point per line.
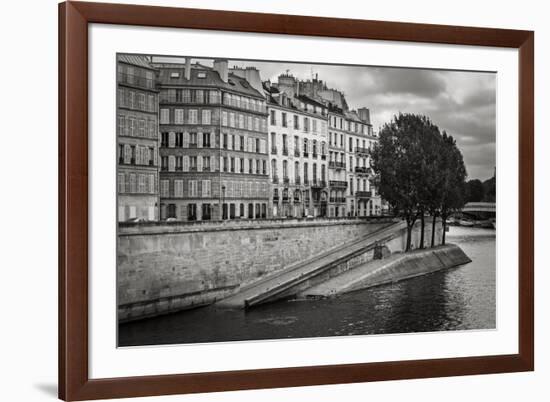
pixel 398 160
pixel 474 190
pixel 453 190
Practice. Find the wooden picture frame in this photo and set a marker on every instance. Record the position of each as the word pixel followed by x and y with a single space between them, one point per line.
pixel 74 381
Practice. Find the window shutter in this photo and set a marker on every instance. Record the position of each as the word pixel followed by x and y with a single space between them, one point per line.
pixel 199 139
pixel 199 163
pixel 216 164
pixel 185 139
pixel 171 139
pixel 185 163
pixel 237 165
pixel 171 163
pixel 155 156
pixel 127 153
pixel 212 140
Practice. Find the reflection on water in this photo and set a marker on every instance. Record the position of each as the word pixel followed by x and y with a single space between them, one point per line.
pixel 455 299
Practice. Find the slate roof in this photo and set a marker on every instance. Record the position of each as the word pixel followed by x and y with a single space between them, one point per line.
pixel 211 79
pixel 135 60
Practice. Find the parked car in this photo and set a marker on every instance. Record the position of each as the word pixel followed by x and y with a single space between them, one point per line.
pixel 171 219
pixel 137 220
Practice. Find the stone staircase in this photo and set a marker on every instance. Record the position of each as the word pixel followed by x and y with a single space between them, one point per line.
pixel 297 278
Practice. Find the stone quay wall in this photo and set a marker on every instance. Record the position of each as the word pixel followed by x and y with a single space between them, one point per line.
pixel 165 267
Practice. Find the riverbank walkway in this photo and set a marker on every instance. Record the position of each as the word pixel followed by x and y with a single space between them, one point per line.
pixel 282 282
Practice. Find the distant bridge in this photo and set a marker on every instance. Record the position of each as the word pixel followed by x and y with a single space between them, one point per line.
pixel 480 209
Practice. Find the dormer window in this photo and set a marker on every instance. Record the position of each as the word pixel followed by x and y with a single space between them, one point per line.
pixel 201 74
pixel 174 75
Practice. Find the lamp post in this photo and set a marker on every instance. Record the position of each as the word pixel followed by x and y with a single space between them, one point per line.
pixel 223 201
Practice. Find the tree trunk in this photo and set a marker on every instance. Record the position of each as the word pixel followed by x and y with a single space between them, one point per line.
pixel 422 229
pixel 433 229
pixel 444 222
pixel 409 230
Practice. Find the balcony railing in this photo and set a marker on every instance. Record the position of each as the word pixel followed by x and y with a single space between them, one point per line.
pixel 275 179
pixel 361 169
pixel 297 180
pixel 361 150
pixel 192 145
pixel 286 180
pixel 337 199
pixel 323 157
pixel 318 183
pixel 337 165
pixel 285 151
pixel 306 181
pixel 306 154
pixel 338 183
pixel 363 194
pixel 274 150
pixel 315 155
pixel 296 153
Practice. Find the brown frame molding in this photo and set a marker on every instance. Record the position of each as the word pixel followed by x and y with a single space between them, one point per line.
pixel 74 17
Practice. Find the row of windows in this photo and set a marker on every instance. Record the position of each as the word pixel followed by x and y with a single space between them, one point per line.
pixel 204 96
pixel 210 140
pixel 185 188
pixel 134 75
pixel 353 126
pixel 136 183
pixel 200 96
pixel 244 122
pixel 337 140
pixel 309 146
pixel 137 127
pixel 296 172
pixel 186 116
pixel 308 124
pixel 179 188
pixel 137 155
pixel 204 211
pixel 136 100
pixel 200 163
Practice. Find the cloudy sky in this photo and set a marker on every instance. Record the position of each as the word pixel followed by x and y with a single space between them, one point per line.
pixel 462 103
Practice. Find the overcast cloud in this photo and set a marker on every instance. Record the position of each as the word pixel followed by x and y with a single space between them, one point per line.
pixel 462 103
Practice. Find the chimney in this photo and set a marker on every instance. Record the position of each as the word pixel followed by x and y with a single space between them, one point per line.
pixel 364 114
pixel 297 88
pixel 188 68
pixel 220 65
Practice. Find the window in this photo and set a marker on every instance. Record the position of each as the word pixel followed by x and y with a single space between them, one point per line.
pixel 163 139
pixel 272 119
pixel 242 143
pixel 165 188
pixel 283 119
pixel 206 116
pixel 350 142
pixel 164 116
pixel 296 123
pixel 206 164
pixel 192 140
pixel 178 188
pixel 206 212
pixel 225 140
pixel 231 211
pixel 214 96
pixel 193 116
pixel 206 140
pixel 164 163
pixel 178 116
pixel 306 124
pixel 241 165
pixel 199 96
pixel 193 188
pixel 192 212
pixel 224 118
pixel 179 140
pixel 179 163
pixel 264 167
pixel 241 210
pixel 121 183
pixel 206 188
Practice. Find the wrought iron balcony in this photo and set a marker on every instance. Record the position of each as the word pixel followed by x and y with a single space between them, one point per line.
pixel 286 180
pixel 362 169
pixel 285 151
pixel 275 179
pixel 296 153
pixel 337 199
pixel 363 194
pixel 362 150
pixel 297 180
pixel 273 150
pixel 338 183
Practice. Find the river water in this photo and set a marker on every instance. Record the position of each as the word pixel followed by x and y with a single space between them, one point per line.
pixel 460 298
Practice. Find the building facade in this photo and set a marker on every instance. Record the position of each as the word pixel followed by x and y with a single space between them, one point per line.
pixel 137 139
pixel 214 159
pixel 297 144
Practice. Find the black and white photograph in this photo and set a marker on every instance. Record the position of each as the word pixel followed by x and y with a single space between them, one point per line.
pixel 265 200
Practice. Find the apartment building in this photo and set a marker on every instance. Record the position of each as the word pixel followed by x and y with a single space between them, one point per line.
pixel 297 144
pixel 137 139
pixel 214 159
